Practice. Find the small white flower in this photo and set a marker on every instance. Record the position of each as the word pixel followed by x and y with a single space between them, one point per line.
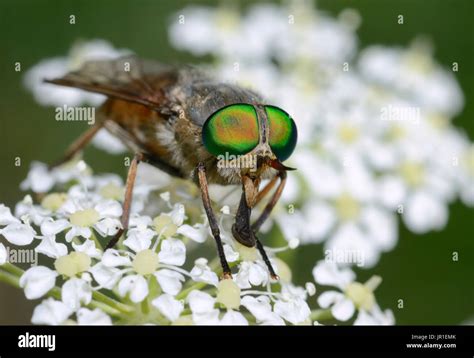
pixel 103 216
pixel 139 263
pixel 354 295
pixel 204 313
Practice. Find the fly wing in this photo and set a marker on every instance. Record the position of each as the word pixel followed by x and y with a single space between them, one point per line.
pixel 127 78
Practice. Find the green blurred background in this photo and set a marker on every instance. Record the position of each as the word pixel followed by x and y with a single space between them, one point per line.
pixel 435 290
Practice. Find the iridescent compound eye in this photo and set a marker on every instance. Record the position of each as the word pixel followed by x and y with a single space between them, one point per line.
pixel 283 133
pixel 232 129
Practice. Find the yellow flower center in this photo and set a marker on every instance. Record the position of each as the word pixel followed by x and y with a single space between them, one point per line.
pixel 418 57
pixel 395 132
pixel 164 224
pixel 284 271
pixel 228 293
pixel 145 262
pixel 413 173
pixel 53 201
pixel 468 160
pixel 348 133
pixel 84 218
pixel 347 207
pixel 186 320
pixel 246 253
pixel 112 191
pixel 438 121
pixel 72 264
pixel 361 295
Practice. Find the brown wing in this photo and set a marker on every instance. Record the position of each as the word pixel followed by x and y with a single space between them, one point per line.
pixel 127 78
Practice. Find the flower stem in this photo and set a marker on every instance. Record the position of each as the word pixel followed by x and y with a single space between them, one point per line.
pixel 98 245
pixel 13 269
pixel 9 279
pixel 11 274
pixel 104 299
pixel 184 293
pixel 321 315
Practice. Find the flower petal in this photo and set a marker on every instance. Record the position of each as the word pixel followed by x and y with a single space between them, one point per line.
pixel 343 309
pixel 234 318
pixel 170 281
pixel 294 311
pixel 329 298
pixel 113 258
pixel 135 285
pixel 196 233
pixel 51 312
pixel 88 247
pixel 173 252
pixel 139 240
pixel 105 276
pixel 51 248
pixel 6 216
pixel 18 234
pixel 200 302
pixel 108 226
pixel 76 291
pixel 170 307
pixel 93 317
pixel 52 227
pixel 3 254
pixel 37 281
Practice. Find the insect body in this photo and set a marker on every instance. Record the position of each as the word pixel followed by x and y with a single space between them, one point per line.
pixel 186 124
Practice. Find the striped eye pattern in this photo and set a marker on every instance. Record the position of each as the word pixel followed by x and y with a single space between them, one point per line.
pixel 232 129
pixel 283 132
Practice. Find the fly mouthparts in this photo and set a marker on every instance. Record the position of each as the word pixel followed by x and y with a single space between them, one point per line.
pixel 276 164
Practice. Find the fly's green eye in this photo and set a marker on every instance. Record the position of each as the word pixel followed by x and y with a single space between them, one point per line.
pixel 283 133
pixel 232 129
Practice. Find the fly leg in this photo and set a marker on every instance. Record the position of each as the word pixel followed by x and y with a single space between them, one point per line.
pixel 266 189
pixel 78 145
pixel 127 202
pixel 201 170
pixel 271 204
pixel 244 233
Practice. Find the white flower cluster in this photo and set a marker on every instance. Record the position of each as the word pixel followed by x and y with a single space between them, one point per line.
pixel 375 134
pixel 148 278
